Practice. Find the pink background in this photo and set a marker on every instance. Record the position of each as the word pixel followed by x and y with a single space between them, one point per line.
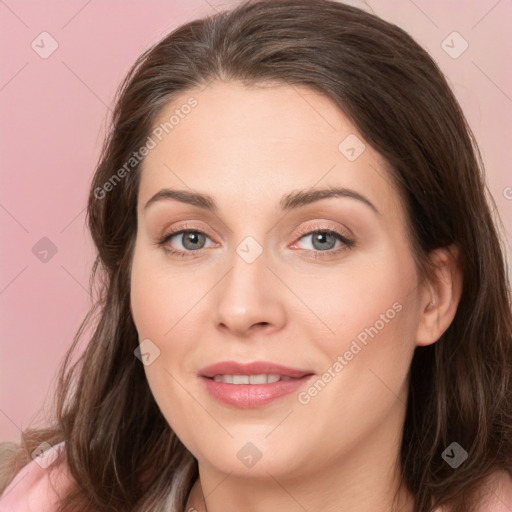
pixel 52 123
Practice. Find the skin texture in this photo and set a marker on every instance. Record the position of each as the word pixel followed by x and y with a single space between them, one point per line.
pixel 248 147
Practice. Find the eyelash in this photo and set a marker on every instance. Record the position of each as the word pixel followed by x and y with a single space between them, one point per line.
pixel 348 243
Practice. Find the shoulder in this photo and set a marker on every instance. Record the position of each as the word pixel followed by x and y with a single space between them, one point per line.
pixel 499 489
pixel 39 484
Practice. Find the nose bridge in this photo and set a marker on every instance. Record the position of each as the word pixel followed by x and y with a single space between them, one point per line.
pixel 249 270
pixel 247 296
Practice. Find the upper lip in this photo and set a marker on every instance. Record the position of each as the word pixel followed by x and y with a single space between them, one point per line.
pixel 254 368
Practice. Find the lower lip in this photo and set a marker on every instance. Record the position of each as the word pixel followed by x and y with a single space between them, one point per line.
pixel 247 396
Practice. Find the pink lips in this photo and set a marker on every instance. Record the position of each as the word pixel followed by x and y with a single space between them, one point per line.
pixel 252 395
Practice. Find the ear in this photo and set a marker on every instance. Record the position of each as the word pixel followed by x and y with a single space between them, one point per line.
pixel 440 295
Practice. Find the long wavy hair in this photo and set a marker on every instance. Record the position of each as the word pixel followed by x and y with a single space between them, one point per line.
pixel 120 449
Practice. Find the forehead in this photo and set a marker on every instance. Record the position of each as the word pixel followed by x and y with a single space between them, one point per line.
pixel 248 142
pixel 264 120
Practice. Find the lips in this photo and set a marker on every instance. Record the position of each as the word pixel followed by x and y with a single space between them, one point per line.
pixel 254 368
pixel 242 385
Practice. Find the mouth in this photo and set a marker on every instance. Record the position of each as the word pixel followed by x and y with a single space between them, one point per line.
pixel 251 379
pixel 251 385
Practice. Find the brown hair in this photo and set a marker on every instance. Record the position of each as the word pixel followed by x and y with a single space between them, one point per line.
pixel 119 446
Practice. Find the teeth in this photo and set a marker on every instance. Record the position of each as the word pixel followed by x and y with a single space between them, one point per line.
pixel 250 379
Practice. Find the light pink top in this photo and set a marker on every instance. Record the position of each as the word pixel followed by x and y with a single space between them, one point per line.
pixel 32 489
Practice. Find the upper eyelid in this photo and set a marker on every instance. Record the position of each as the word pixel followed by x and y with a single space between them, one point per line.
pixel 302 232
pixel 305 230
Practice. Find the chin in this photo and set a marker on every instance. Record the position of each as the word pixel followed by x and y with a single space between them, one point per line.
pixel 247 459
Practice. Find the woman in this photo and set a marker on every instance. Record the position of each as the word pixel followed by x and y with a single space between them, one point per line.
pixel 237 362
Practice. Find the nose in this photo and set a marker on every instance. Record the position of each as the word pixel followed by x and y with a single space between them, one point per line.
pixel 250 298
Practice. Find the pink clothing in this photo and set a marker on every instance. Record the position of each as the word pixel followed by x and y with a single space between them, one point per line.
pixel 32 488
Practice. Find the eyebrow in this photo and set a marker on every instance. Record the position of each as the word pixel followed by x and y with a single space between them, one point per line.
pixel 291 201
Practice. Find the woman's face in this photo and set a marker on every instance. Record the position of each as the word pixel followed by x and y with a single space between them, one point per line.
pixel 258 279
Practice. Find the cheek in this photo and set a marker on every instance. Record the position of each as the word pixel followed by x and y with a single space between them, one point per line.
pixel 373 313
pixel 157 297
pixel 363 301
pixel 157 306
pixel 365 370
pixel 371 316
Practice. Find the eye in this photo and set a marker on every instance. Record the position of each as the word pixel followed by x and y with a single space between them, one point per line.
pixel 323 241
pixel 191 239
